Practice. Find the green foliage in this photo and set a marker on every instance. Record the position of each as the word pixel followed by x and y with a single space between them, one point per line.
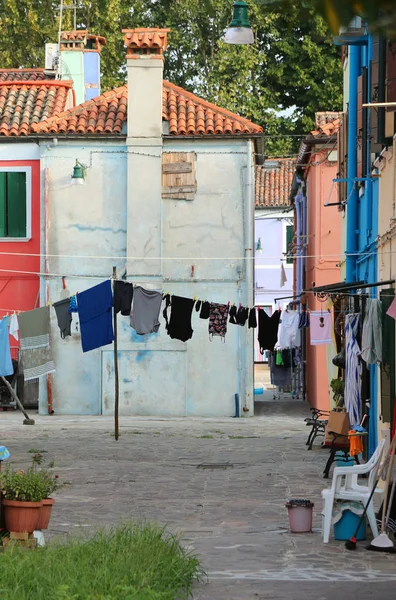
pixel 337 386
pixel 31 485
pixel 289 73
pixel 131 562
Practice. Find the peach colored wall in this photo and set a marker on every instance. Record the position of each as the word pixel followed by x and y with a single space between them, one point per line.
pixel 324 242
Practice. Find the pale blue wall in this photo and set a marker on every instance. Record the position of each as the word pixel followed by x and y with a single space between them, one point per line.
pixel 158 376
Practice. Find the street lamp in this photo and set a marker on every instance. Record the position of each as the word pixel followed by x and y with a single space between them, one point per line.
pixel 239 30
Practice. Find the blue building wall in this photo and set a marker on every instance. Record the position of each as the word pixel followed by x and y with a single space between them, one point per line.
pixel 91 74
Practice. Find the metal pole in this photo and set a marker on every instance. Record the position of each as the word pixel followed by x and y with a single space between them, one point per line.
pixel 28 420
pixel 116 381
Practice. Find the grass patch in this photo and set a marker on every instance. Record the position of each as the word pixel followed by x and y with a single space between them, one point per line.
pixel 243 437
pixel 208 436
pixel 130 562
pixel 219 432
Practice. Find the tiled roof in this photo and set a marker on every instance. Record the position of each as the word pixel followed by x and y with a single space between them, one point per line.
pixel 187 115
pixel 25 75
pixel 327 123
pixel 322 118
pixel 273 182
pixel 142 38
pixel 23 103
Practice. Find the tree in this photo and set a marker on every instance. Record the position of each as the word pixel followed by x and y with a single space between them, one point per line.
pixel 290 72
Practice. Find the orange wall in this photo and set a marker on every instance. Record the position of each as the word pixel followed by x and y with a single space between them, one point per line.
pixel 323 256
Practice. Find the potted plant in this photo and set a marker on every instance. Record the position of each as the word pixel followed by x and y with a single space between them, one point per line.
pixel 23 495
pixel 338 389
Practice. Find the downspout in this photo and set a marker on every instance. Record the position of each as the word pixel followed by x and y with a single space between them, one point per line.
pixel 47 270
pixel 352 192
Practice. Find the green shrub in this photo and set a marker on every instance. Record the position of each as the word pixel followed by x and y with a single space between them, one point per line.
pixel 130 562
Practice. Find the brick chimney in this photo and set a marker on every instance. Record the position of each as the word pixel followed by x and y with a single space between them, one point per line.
pixel 145 63
pixel 80 61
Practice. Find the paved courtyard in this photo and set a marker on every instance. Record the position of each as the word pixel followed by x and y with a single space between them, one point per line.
pixel 221 483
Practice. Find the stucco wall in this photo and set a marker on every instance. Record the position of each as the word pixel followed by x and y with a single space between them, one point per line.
pixel 158 375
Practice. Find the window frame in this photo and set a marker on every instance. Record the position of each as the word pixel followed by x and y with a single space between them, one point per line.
pixel 28 174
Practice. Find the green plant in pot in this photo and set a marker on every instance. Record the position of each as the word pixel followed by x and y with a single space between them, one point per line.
pixel 338 389
pixel 26 496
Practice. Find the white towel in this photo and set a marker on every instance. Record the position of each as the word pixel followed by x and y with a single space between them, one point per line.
pixel 14 327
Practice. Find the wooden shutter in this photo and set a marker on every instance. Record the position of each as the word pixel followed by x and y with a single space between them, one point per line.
pixel 375 145
pixel 343 158
pixel 388 358
pixel 390 92
pixel 16 204
pixel 289 242
pixel 3 204
pixel 178 175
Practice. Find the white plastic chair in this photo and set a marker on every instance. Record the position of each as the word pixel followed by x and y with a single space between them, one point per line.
pixel 346 486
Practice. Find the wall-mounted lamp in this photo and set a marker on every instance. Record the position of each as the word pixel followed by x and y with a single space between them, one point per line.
pixel 259 247
pixel 239 30
pixel 78 176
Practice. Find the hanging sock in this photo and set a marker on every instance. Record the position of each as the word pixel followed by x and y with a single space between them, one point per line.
pixel 179 327
pixel 146 307
pixel 233 314
pixel 252 318
pixel 6 367
pixel 218 320
pixel 242 315
pixel 73 304
pixel 123 294
pixel 63 316
pixel 198 305
pixel 95 312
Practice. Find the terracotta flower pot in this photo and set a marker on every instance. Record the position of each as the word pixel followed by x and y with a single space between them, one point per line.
pixel 45 513
pixel 21 516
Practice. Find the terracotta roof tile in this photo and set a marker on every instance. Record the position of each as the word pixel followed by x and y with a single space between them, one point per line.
pixel 327 123
pixel 80 38
pixel 25 103
pixel 25 75
pixel 142 38
pixel 187 115
pixel 273 182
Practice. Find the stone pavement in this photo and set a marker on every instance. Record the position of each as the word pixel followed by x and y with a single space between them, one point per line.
pixel 222 483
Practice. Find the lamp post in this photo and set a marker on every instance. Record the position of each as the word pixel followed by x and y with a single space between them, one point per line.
pixel 78 175
pixel 239 30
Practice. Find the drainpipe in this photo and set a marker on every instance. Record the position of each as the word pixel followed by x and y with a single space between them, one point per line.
pixel 352 192
pixel 298 238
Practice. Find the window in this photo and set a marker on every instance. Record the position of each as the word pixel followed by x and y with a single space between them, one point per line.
pixel 178 175
pixel 13 205
pixel 289 242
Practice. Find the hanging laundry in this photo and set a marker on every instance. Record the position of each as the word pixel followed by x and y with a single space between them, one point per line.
pixel 267 329
pixel 252 318
pixel 391 312
pixel 14 327
pixel 34 332
pixel 304 319
pixel 372 332
pixel 353 369
pixel 6 367
pixel 179 326
pixel 279 375
pixel 95 313
pixel 198 305
pixel 63 316
pixel 73 304
pixel 218 320
pixel 123 294
pixel 283 278
pixel 320 327
pixel 233 314
pixel 205 310
pixel 242 315
pixel 288 331
pixel 146 306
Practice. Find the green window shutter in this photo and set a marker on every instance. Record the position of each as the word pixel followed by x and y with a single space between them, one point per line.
pixel 3 204
pixel 289 240
pixel 16 196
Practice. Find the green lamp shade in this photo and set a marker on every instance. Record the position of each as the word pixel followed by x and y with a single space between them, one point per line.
pixel 78 174
pixel 239 31
pixel 259 247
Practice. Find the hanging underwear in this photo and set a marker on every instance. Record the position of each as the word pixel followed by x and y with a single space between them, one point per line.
pixel 218 320
pixel 205 310
pixel 123 294
pixel 233 314
pixel 242 315
pixel 252 318
pixel 179 325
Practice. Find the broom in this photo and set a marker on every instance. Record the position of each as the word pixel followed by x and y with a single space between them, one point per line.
pixel 382 543
pixel 351 543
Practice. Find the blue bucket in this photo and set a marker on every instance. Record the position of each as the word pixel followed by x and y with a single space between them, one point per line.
pixel 346 527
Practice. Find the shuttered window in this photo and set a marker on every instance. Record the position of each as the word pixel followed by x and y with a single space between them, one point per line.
pixel 289 243
pixel 178 175
pixel 13 215
pixel 390 84
pixel 342 159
